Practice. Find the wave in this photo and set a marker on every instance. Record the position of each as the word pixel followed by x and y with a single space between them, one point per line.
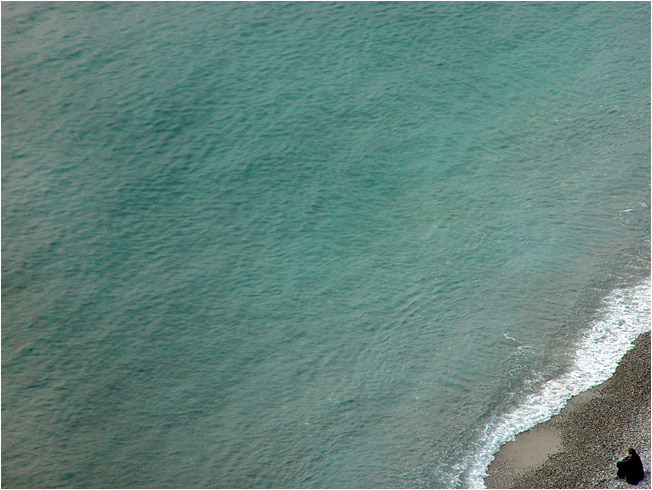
pixel 625 315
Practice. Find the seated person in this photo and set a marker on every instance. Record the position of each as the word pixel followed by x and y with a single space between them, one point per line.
pixel 631 468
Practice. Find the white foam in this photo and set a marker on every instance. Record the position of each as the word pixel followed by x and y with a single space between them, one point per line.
pixel 624 316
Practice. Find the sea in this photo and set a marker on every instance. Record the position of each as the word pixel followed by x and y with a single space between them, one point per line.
pixel 313 244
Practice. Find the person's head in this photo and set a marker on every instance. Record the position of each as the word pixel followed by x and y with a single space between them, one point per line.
pixel 631 452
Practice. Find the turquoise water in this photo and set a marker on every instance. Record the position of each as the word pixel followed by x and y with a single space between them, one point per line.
pixel 313 244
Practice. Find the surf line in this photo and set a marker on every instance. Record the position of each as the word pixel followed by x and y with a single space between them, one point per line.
pixel 623 316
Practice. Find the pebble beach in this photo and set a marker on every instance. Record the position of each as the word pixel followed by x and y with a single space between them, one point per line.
pixel 320 244
pixel 579 447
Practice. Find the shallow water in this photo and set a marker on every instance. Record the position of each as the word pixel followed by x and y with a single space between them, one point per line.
pixel 312 244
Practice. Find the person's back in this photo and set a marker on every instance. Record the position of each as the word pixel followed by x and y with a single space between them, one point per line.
pixel 631 468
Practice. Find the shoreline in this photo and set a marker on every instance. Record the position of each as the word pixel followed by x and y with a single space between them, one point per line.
pixel 579 447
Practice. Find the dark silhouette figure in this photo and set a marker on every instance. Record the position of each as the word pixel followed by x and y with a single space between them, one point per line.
pixel 631 468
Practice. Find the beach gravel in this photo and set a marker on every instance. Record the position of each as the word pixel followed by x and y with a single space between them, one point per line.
pixel 595 428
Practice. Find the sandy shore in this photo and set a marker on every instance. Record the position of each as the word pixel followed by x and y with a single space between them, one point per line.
pixel 579 447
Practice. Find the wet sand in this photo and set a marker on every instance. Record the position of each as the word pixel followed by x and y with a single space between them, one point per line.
pixel 579 447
